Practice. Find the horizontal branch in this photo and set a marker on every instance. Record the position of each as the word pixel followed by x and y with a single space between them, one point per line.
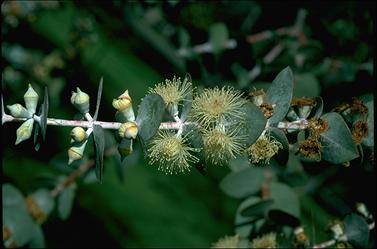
pixel 295 125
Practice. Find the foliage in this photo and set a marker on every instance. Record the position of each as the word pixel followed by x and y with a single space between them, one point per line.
pixel 251 103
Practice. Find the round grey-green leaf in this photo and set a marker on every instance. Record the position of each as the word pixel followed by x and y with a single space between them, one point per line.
pixel 357 231
pixel 286 205
pixel 243 183
pixel 150 115
pixel 337 142
pixel 65 202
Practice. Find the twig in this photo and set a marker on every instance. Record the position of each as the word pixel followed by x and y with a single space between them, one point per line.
pixel 341 238
pixel 295 125
pixel 77 173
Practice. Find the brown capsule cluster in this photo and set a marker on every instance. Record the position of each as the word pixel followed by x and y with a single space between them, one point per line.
pixel 258 97
pixel 357 106
pixel 317 126
pixel 359 131
pixel 310 147
pixel 300 102
pixel 267 110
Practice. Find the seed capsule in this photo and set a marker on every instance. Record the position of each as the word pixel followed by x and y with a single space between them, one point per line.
pixel 80 100
pixel 18 111
pixel 78 134
pixel 128 130
pixel 31 99
pixel 24 131
pixel 76 152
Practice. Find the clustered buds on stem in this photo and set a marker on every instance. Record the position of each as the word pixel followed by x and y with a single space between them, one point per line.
pixel 24 131
pixel 18 111
pixel 76 152
pixel 78 134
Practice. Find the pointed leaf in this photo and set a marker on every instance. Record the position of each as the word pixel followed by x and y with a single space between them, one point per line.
pixel 188 99
pixel 258 208
pixel 99 147
pixel 98 99
pixel 150 115
pixel 280 94
pixel 337 142
pixel 2 110
pixel 44 115
pixel 318 109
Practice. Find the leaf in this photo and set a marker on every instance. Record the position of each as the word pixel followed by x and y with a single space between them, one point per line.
pixel 218 35
pixel 44 200
pixel 280 94
pixel 183 38
pixel 98 99
pixel 99 147
pixel 12 196
pixel 357 231
pixel 286 207
pixel 65 201
pixel 244 225
pixel 37 238
pixel 19 222
pixel 337 143
pixel 241 162
pixel 258 208
pixel 253 124
pixel 37 128
pixel 2 110
pixel 368 102
pixel 306 85
pixel 279 135
pixel 243 183
pixel 44 115
pixel 318 108
pixel 187 102
pixel 150 115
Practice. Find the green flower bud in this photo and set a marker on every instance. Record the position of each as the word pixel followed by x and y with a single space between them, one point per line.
pixel 18 111
pixel 128 130
pixel 80 100
pixel 124 101
pixel 124 108
pixel 125 148
pixel 31 99
pixel 76 152
pixel 24 131
pixel 78 134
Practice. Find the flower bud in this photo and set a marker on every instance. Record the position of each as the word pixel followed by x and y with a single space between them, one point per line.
pixel 80 100
pixel 18 111
pixel 76 152
pixel 128 130
pixel 24 131
pixel 124 106
pixel 78 134
pixel 123 102
pixel 31 99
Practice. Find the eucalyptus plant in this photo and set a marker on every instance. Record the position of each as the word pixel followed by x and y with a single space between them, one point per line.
pixel 182 129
